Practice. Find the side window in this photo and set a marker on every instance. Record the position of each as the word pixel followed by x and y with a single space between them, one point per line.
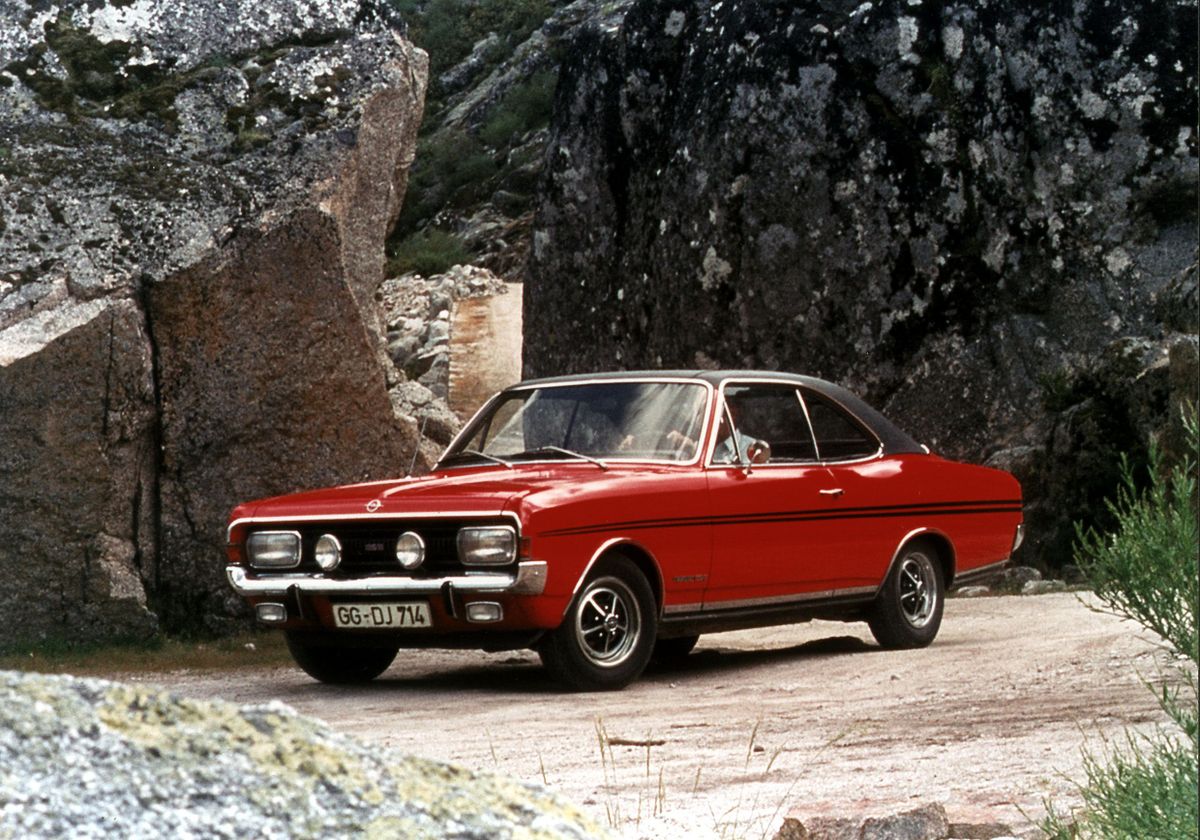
pixel 769 413
pixel 839 436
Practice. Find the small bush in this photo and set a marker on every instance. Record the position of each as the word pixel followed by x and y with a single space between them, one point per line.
pixel 1147 571
pixel 451 169
pixel 449 29
pixel 524 108
pixel 1144 790
pixel 427 252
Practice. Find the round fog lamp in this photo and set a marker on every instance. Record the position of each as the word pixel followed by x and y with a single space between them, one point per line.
pixel 328 552
pixel 410 550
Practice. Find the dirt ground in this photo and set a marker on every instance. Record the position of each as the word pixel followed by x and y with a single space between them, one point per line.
pixel 804 720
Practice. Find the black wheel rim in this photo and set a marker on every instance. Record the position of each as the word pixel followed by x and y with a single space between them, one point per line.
pixel 918 589
pixel 608 622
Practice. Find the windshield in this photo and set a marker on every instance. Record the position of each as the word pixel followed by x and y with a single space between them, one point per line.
pixel 657 421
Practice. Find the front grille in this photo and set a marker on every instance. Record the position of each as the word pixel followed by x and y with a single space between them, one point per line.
pixel 368 548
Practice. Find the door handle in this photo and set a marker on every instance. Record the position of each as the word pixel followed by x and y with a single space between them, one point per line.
pixel 836 491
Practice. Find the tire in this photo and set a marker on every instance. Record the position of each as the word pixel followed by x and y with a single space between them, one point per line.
pixel 339 664
pixel 607 636
pixel 908 610
pixel 671 651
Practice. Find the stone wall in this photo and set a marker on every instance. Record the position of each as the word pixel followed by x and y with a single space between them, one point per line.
pixel 425 338
pixel 981 217
pixel 193 204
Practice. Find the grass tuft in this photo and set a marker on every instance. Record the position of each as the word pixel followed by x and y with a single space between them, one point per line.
pixel 253 650
pixel 428 252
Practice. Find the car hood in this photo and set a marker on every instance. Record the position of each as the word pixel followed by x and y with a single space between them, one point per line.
pixel 486 490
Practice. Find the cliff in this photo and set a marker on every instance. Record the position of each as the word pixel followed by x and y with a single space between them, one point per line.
pixel 981 217
pixel 193 205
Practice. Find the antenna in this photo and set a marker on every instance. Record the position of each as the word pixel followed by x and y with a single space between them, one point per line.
pixel 417 448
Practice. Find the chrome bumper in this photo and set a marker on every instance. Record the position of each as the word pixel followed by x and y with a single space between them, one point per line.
pixel 529 579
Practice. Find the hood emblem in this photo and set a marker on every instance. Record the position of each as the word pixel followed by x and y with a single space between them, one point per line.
pixel 374 505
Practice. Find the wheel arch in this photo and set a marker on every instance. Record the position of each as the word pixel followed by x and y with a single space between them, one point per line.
pixel 637 554
pixel 946 556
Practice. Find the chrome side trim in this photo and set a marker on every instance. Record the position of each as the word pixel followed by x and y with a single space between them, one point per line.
pixel 981 573
pixel 604 546
pixel 865 427
pixel 808 420
pixel 351 517
pixel 585 380
pixel 599 552
pixel 529 579
pixel 771 601
pixel 904 541
pixel 799 390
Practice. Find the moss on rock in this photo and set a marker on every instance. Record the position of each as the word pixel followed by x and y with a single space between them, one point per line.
pixel 80 754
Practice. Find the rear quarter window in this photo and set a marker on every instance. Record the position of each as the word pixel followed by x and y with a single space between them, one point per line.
pixel 839 436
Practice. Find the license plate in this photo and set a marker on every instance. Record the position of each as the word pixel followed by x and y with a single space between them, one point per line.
pixel 367 616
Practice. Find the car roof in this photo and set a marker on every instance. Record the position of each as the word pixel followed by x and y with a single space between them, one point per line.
pixel 895 440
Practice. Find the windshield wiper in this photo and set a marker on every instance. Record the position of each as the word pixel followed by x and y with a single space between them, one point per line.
pixel 569 453
pixel 477 454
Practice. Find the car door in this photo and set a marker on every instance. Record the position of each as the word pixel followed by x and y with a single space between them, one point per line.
pixel 769 530
pixel 874 497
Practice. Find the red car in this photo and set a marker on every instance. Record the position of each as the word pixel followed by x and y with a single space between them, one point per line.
pixel 608 519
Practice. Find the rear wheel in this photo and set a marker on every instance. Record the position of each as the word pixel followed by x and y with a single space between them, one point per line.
pixel 908 610
pixel 607 636
pixel 332 663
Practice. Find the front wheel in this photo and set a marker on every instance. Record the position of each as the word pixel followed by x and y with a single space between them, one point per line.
pixel 339 664
pixel 908 610
pixel 607 636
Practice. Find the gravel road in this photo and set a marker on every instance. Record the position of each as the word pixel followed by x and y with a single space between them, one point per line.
pixel 810 720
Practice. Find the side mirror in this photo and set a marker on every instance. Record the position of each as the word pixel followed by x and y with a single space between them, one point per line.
pixel 758 452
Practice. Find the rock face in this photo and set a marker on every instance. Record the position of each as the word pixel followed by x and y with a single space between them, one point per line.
pixel 486 128
pixel 88 758
pixel 193 204
pixel 981 217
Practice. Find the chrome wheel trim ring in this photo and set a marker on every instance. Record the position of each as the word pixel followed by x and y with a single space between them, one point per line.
pixel 608 622
pixel 917 589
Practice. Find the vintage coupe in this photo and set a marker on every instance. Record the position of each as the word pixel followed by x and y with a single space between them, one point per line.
pixel 608 519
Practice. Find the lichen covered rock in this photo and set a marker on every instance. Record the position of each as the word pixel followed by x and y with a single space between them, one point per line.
pixel 193 204
pixel 87 758
pixel 949 207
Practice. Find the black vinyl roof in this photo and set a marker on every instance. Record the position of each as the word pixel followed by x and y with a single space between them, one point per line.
pixel 895 441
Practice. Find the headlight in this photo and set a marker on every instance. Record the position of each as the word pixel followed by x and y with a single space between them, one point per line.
pixel 410 550
pixel 327 552
pixel 274 549
pixel 490 546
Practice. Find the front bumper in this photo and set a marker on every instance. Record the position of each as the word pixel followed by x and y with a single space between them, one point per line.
pixel 528 579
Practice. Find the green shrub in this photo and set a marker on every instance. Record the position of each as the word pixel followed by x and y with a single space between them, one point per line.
pixel 427 252
pixel 449 29
pixel 451 168
pixel 524 108
pixel 1147 570
pixel 1144 790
